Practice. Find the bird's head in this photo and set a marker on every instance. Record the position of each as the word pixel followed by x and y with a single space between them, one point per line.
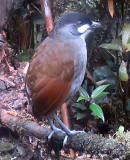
pixel 75 24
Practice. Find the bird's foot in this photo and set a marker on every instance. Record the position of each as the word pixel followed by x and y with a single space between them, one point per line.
pixel 70 134
pixel 54 131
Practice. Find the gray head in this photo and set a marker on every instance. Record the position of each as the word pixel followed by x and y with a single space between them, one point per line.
pixel 76 24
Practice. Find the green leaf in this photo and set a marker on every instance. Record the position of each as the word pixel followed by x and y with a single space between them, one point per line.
pixel 39 37
pixel 98 91
pixel 126 37
pixel 105 72
pixel 121 129
pixel 115 45
pixel 39 21
pixel 128 40
pixel 128 105
pixel 97 111
pixel 82 98
pixel 101 96
pixel 123 72
pixel 80 116
pixel 83 92
pixel 79 105
pixel 84 95
pixel 95 116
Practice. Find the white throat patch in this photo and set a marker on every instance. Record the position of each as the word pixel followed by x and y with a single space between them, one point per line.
pixel 83 28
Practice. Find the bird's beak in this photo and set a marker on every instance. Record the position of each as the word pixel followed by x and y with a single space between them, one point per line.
pixel 96 25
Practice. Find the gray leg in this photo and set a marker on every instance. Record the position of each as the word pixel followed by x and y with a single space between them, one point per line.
pixel 68 132
pixel 61 124
pixel 53 127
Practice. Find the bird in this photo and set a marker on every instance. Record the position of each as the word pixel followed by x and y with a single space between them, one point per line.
pixel 57 69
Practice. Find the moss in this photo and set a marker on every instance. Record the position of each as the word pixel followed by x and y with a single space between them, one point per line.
pixel 6 147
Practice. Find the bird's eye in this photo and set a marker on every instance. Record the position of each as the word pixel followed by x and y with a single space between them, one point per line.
pixel 79 23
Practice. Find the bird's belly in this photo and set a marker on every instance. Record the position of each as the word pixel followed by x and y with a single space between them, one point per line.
pixel 80 68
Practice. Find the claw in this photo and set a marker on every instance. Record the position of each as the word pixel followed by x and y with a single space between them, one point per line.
pixel 71 133
pixel 65 141
pixel 53 131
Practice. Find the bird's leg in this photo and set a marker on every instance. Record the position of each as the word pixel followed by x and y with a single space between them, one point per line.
pixel 53 127
pixel 68 131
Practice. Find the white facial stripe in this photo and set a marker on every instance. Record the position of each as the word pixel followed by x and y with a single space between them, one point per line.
pixel 83 28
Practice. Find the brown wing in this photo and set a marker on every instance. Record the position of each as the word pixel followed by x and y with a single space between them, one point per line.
pixel 49 76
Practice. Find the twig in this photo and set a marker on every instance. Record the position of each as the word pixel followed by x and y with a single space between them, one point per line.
pixel 46 11
pixel 3 78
